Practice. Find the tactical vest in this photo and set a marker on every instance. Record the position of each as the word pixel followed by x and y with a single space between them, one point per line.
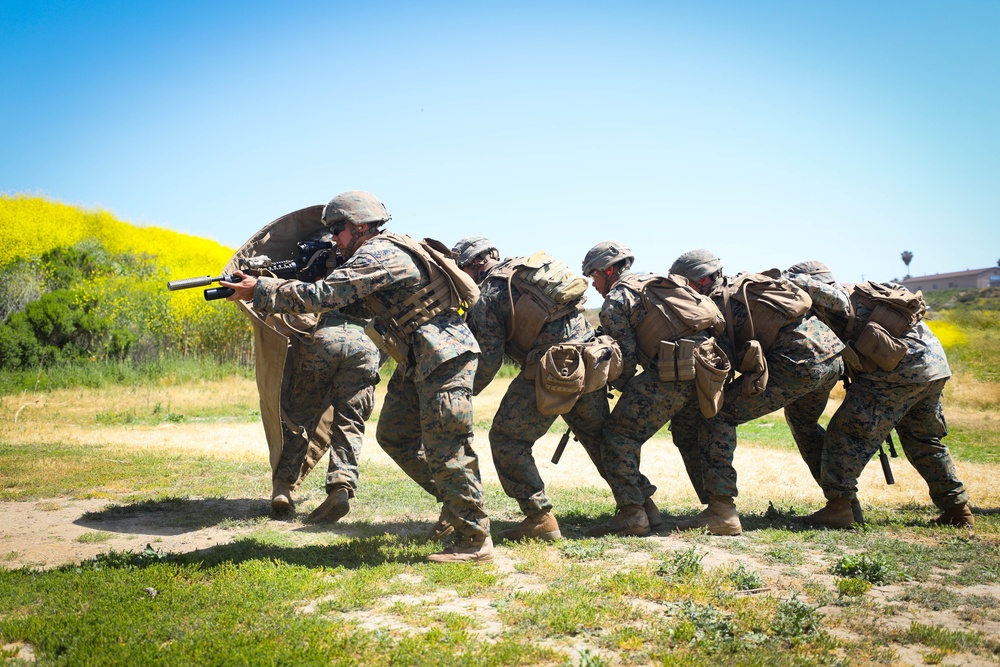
pixel 449 290
pixel 875 341
pixel 537 304
pixel 673 311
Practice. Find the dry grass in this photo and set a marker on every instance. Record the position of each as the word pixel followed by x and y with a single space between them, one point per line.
pixel 765 473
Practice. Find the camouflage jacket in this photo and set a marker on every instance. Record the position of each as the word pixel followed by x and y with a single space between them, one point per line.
pixel 621 314
pixel 925 359
pixel 809 341
pixel 491 315
pixel 382 270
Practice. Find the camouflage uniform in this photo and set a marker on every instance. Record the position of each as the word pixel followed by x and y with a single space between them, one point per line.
pixel 433 388
pixel 518 423
pixel 337 365
pixel 803 367
pixel 907 398
pixel 646 403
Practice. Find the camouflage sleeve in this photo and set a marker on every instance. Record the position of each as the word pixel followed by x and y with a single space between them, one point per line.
pixel 617 316
pixel 362 275
pixel 487 323
pixel 830 297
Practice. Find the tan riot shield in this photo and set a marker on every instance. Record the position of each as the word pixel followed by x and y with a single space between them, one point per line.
pixel 273 347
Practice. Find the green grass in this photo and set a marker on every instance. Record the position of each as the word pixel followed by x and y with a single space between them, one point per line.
pixel 172 369
pixel 281 592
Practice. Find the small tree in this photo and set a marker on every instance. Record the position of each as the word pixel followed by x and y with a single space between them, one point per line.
pixel 907 258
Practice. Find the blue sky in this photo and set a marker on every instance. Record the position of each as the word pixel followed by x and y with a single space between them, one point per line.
pixel 769 132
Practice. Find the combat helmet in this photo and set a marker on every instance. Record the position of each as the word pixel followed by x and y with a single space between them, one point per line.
pixel 814 268
pixel 606 254
pixel 469 248
pixel 356 207
pixel 696 264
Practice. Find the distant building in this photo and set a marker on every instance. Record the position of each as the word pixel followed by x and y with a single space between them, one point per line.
pixel 974 279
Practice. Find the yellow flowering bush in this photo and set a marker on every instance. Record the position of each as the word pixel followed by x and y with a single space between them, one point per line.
pixel 136 298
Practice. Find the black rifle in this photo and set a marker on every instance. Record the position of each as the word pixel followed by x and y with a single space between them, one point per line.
pixel 309 266
pixel 563 441
pixel 884 460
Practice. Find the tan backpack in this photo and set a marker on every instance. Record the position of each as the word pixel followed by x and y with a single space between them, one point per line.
pixel 771 303
pixel 549 291
pixel 877 344
pixel 673 310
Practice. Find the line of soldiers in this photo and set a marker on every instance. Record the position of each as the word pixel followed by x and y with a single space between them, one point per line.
pixel 687 331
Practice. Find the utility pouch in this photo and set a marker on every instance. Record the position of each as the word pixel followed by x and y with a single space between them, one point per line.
pixel 665 361
pixel 880 346
pixel 559 379
pixel 387 341
pixel 753 370
pixel 711 371
pixel 685 359
pixel 602 359
pixel 675 361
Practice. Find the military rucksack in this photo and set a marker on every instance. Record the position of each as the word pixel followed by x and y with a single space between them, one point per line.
pixel 549 290
pixel 876 342
pixel 771 303
pixel 673 311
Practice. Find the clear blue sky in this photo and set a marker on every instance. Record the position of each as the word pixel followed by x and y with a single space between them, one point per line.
pixel 769 132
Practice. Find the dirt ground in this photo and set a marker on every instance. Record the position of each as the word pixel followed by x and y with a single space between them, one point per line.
pixel 54 531
pixel 47 532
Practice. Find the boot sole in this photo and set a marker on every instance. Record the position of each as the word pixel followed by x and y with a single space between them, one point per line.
pixel 329 513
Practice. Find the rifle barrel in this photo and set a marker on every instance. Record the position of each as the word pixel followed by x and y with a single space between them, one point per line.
pixel 188 283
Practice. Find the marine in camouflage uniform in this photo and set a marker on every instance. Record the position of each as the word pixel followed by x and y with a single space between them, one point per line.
pixel 803 367
pixel 426 419
pixel 646 403
pixel 907 398
pixel 337 365
pixel 518 424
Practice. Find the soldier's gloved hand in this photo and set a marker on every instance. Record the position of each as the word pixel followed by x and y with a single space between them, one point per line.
pixel 243 290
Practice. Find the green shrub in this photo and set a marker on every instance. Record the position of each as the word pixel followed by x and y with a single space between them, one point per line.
pixel 853 586
pixel 874 569
pixel 681 565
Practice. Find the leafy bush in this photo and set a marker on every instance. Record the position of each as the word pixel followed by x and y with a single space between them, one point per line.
pixel 853 586
pixel 796 619
pixel 744 579
pixel 681 565
pixel 874 569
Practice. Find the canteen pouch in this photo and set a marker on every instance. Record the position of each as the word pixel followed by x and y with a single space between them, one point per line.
pixel 386 341
pixel 753 370
pixel 880 346
pixel 602 360
pixel 559 379
pixel 711 371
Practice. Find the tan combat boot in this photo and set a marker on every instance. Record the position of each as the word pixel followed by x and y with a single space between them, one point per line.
pixel 857 512
pixel 836 514
pixel 466 551
pixel 538 527
pixel 442 528
pixel 719 518
pixel 336 506
pixel 281 497
pixel 628 520
pixel 959 515
pixel 653 516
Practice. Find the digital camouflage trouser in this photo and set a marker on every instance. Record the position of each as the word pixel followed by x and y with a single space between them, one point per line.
pixel 426 428
pixel 645 406
pixel 800 389
pixel 869 412
pixel 338 366
pixel 518 424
